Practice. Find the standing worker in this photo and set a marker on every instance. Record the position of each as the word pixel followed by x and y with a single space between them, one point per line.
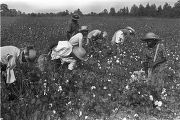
pixel 154 58
pixel 73 27
pixel 11 56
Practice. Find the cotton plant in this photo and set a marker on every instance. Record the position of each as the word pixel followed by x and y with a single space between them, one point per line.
pixel 138 76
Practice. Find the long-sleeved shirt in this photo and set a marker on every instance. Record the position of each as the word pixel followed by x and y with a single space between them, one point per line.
pixel 94 33
pixel 73 29
pixel 149 53
pixel 119 36
pixel 77 40
pixel 9 57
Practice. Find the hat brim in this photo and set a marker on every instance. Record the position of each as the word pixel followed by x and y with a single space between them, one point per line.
pixel 148 39
pixel 84 30
pixel 83 59
pixel 74 19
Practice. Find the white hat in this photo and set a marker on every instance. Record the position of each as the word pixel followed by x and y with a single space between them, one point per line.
pixel 131 29
pixel 84 28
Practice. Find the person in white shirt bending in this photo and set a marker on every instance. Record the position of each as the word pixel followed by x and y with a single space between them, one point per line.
pixel 95 35
pixel 120 35
pixel 72 50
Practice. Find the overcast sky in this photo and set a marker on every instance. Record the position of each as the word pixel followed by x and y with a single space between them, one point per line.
pixel 86 6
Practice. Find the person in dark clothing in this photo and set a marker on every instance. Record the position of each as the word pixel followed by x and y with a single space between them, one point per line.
pixel 73 27
pixel 154 59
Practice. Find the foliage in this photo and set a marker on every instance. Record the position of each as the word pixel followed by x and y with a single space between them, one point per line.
pixel 98 88
pixel 148 10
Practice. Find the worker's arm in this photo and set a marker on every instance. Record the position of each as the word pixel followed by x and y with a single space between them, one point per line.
pixel 80 41
pixel 162 55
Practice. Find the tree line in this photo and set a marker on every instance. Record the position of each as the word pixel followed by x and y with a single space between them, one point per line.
pixel 148 10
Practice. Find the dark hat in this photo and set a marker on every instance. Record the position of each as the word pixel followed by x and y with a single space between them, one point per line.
pixel 150 36
pixel 75 17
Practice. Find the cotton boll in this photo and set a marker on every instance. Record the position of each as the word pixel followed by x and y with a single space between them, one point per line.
pixel 124 118
pixel 117 61
pixel 160 103
pixel 80 113
pixel 93 87
pixel 86 117
pixel 135 115
pixel 156 102
pixel 151 97
pixel 54 111
pixel 127 87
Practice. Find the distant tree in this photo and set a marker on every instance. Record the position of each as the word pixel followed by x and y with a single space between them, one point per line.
pixel 147 10
pixel 141 10
pixel 13 12
pixel 104 12
pixel 19 13
pixel 153 10
pixel 92 14
pixel 167 10
pixel 176 9
pixel 127 11
pixel 134 10
pixel 33 14
pixel 159 11
pixel 112 11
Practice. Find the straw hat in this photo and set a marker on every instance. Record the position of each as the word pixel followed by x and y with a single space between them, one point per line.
pixel 150 36
pixel 84 28
pixel 80 53
pixel 131 29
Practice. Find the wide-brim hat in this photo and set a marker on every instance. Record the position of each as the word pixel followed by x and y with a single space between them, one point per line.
pixel 131 29
pixel 150 36
pixel 75 17
pixel 80 53
pixel 84 28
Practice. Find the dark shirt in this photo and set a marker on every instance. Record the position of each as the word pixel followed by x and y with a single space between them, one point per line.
pixel 73 29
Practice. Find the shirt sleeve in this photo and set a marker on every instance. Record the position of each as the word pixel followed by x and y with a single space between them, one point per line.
pixel 97 33
pixel 80 40
pixel 12 62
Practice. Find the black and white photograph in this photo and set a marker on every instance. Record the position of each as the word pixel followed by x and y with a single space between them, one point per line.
pixel 90 60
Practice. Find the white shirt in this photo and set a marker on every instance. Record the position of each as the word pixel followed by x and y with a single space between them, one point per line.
pixel 118 37
pixel 63 49
pixel 94 33
pixel 9 56
pixel 76 39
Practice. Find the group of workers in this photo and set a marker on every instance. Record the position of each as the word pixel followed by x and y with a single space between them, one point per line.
pixel 73 50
